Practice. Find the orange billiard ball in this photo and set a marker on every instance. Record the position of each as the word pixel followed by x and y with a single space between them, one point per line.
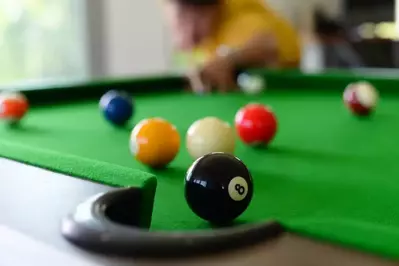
pixel 155 142
pixel 13 106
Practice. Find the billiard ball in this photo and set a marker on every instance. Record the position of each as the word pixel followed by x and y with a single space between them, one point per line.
pixel 360 98
pixel 117 107
pixel 256 124
pixel 154 142
pixel 13 106
pixel 250 84
pixel 218 187
pixel 210 134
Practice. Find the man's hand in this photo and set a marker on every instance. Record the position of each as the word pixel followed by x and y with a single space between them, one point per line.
pixel 217 73
pixel 259 51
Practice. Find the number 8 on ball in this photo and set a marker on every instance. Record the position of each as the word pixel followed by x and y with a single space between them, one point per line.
pixel 238 188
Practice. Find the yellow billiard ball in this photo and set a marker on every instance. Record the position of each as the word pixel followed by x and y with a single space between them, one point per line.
pixel 155 142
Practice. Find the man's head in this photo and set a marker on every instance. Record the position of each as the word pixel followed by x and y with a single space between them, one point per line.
pixel 191 21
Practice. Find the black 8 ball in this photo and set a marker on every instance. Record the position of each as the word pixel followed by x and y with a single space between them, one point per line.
pixel 218 187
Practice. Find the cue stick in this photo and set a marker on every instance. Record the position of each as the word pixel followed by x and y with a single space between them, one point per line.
pixel 197 83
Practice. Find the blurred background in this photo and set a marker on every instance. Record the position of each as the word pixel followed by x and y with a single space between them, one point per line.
pixel 57 40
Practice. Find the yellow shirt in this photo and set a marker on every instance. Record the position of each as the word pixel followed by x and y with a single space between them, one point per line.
pixel 241 20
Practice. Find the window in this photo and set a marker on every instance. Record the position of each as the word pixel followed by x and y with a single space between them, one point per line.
pixel 41 41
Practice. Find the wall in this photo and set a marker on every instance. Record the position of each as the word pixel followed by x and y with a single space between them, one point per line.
pixel 128 37
pixel 300 12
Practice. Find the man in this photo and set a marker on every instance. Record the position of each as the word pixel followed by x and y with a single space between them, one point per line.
pixel 230 35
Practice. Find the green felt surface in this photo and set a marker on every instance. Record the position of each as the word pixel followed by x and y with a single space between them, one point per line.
pixel 327 174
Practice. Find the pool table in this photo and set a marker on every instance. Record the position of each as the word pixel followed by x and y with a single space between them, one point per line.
pixel 328 175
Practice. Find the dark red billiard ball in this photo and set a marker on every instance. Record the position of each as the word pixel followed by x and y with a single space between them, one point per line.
pixel 256 124
pixel 360 98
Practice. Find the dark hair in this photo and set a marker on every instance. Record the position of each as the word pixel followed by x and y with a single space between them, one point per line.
pixel 198 2
pixel 326 25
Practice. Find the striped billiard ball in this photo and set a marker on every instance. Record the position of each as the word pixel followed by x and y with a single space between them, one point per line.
pixel 360 98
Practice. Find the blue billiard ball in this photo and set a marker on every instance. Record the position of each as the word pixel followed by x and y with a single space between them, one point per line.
pixel 117 107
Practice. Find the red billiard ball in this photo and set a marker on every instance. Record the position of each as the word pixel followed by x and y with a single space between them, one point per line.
pixel 256 124
pixel 13 106
pixel 360 98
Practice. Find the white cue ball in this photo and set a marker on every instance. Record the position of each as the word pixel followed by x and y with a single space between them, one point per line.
pixel 208 135
pixel 250 84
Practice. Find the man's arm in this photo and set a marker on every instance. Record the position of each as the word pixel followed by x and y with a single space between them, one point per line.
pixel 255 44
pixel 260 51
pixel 251 43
